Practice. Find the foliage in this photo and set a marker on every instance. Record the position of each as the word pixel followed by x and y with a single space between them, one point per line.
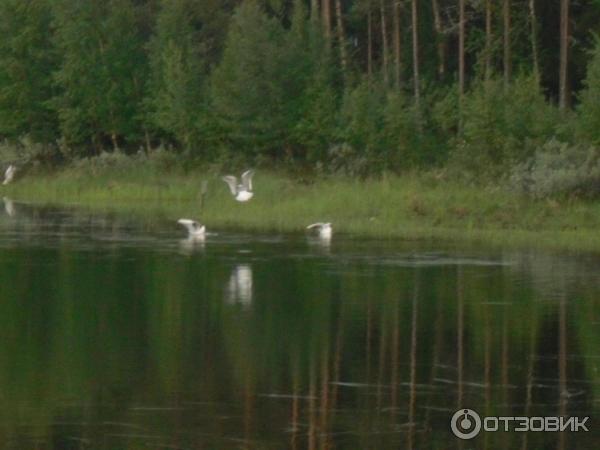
pixel 559 169
pixel 588 123
pixel 502 125
pixel 249 86
pixel 27 59
pixel 26 153
pixel 101 71
pixel 156 160
pixel 362 121
pixel 230 82
pixel 315 127
pixel 175 92
pixel 381 126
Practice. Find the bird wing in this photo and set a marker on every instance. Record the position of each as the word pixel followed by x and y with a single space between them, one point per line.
pixel 232 182
pixel 190 224
pixel 247 179
pixel 316 225
pixel 9 174
pixel 9 206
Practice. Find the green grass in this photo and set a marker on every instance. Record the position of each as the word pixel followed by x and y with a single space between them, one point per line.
pixel 409 207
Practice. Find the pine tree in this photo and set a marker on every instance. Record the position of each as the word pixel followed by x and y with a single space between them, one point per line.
pixel 175 98
pixel 316 123
pixel 255 84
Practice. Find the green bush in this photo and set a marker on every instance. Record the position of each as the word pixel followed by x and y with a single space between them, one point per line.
pixel 361 121
pixel 25 152
pixel 559 169
pixel 344 159
pixel 502 126
pixel 380 125
pixel 105 162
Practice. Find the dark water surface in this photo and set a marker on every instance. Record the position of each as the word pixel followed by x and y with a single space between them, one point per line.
pixel 119 333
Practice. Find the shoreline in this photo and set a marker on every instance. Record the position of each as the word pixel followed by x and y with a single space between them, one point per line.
pixel 411 207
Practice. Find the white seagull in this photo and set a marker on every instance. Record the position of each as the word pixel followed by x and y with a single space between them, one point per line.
pixel 9 174
pixel 241 192
pixel 195 230
pixel 9 206
pixel 324 228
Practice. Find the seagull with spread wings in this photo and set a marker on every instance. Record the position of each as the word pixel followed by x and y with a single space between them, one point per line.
pixel 324 229
pixel 242 192
pixel 195 230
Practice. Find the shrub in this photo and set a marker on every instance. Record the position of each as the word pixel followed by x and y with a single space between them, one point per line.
pixel 559 169
pixel 26 152
pixel 380 126
pixel 161 159
pixel 106 162
pixel 502 126
pixel 361 122
pixel 346 160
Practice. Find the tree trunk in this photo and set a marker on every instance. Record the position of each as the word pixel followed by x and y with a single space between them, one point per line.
pixel 384 42
pixel 415 38
pixel 326 15
pixel 147 137
pixel 115 142
pixel 534 49
pixel 461 48
pixel 441 39
pixel 341 37
pixel 397 47
pixel 314 10
pixel 369 42
pixel 564 97
pixel 488 39
pixel 507 52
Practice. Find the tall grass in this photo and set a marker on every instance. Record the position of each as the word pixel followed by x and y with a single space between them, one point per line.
pixel 417 206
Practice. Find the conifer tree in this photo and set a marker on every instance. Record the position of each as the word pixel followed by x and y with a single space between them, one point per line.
pixel 252 87
pixel 175 94
pixel 315 126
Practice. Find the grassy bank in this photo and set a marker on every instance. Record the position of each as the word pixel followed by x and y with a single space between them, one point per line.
pixel 408 207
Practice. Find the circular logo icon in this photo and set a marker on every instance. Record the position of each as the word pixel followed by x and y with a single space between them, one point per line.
pixel 465 424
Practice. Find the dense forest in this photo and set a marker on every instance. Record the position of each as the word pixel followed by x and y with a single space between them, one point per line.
pixel 495 88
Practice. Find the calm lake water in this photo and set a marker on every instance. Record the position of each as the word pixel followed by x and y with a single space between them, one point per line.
pixel 119 333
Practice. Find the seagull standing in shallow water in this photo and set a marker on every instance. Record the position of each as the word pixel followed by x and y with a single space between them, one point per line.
pixel 324 228
pixel 9 174
pixel 241 192
pixel 195 230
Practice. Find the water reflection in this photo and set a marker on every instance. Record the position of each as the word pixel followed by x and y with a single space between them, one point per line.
pixel 192 244
pixel 239 286
pixel 110 338
pixel 9 206
pixel 320 244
